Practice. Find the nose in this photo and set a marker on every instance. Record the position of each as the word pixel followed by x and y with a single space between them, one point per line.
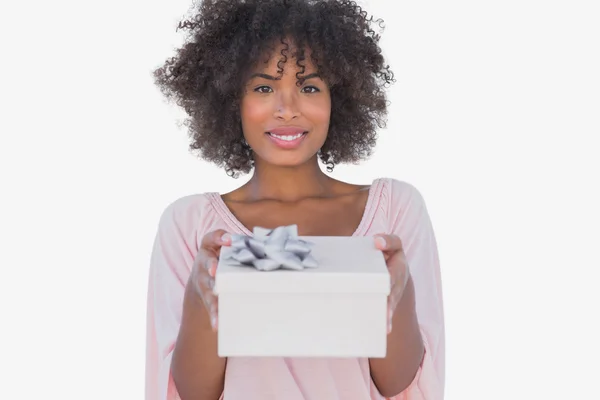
pixel 286 106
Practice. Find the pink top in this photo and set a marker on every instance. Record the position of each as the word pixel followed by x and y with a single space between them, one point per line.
pixel 393 207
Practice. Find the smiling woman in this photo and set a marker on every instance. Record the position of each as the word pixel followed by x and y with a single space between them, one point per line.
pixel 285 111
pixel 273 86
pixel 232 44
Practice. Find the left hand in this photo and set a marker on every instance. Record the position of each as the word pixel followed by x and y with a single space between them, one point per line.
pixel 391 246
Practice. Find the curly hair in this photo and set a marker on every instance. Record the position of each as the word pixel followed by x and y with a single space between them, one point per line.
pixel 227 38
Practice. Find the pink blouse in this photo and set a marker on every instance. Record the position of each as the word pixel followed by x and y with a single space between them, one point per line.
pixel 393 206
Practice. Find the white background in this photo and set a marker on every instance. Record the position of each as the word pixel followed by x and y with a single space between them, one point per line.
pixel 495 117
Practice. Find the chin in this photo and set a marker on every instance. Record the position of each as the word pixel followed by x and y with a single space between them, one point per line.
pixel 289 160
pixel 272 152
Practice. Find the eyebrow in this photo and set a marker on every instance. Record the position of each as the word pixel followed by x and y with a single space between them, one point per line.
pixel 273 78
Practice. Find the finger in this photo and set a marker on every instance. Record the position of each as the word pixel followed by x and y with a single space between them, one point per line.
pixel 206 260
pixel 398 270
pixel 402 271
pixel 207 284
pixel 395 296
pixel 397 290
pixel 212 306
pixel 390 315
pixel 214 240
pixel 210 264
pixel 381 244
pixel 214 314
pixel 388 243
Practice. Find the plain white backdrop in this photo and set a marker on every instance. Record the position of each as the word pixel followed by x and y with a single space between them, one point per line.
pixel 495 117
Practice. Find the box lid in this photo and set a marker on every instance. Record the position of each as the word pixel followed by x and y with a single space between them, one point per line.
pixel 345 265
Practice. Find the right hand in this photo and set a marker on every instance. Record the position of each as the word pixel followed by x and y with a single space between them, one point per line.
pixel 202 278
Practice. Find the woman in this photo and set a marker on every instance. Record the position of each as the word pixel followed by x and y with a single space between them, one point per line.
pixel 272 87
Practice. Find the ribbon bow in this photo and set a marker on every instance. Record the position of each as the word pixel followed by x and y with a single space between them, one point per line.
pixel 271 249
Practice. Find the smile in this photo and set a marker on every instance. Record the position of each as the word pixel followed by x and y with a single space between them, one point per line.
pixel 287 141
pixel 288 138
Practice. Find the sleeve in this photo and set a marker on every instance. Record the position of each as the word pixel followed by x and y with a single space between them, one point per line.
pixel 172 256
pixel 411 222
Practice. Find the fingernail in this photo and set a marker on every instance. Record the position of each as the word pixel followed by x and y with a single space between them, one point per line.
pixel 213 322
pixel 381 241
pixel 210 267
pixel 226 238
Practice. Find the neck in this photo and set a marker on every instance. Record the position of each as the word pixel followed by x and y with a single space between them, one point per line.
pixel 288 183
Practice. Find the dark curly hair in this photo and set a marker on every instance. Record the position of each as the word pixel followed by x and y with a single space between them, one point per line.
pixel 227 38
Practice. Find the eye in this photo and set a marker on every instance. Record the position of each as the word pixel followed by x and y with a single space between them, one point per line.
pixel 313 89
pixel 260 89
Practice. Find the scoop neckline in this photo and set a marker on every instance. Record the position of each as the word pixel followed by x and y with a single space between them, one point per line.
pixel 367 217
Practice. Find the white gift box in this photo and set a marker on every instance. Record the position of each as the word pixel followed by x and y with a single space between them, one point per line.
pixel 337 309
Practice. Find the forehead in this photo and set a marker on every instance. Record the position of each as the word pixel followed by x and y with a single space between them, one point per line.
pixel 285 56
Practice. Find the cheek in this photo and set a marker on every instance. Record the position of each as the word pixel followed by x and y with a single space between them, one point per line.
pixel 318 112
pixel 253 112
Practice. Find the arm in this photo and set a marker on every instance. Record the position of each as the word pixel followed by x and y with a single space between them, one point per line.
pixel 405 348
pixel 198 372
pixel 414 365
pixel 181 351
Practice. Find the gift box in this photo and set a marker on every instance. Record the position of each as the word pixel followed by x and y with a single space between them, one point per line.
pixel 281 295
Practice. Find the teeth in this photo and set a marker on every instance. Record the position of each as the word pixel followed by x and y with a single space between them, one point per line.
pixel 286 137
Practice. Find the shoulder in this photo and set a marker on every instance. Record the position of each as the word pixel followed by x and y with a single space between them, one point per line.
pixel 401 204
pixel 400 194
pixel 186 213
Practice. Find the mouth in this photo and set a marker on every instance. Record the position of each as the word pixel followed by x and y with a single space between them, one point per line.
pixel 287 141
pixel 287 138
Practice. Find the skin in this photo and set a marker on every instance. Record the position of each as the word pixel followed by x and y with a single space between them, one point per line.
pixel 270 101
pixel 288 187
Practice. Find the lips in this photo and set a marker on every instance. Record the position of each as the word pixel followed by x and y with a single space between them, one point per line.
pixel 287 137
pixel 287 131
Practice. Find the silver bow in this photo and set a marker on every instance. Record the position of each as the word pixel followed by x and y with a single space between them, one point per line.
pixel 271 249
